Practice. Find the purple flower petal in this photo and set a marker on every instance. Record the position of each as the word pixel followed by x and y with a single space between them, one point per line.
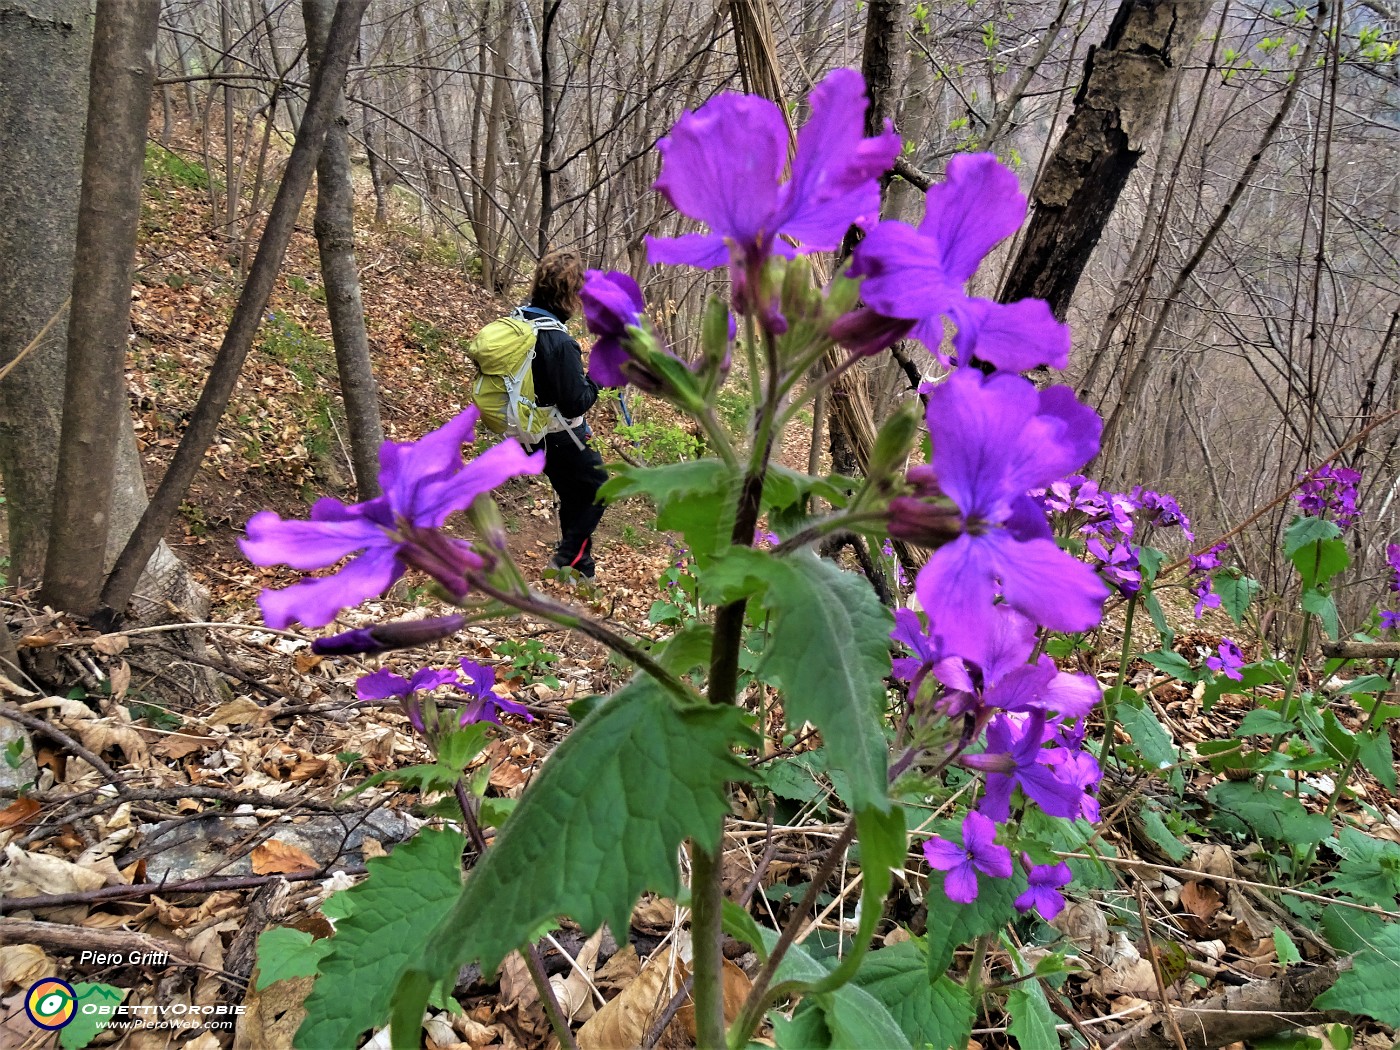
pixel 439 497
pixel 942 854
pixel 306 544
pixel 960 884
pixel 316 602
pixel 978 204
pixel 703 250
pixel 405 467
pixel 1014 337
pixel 381 685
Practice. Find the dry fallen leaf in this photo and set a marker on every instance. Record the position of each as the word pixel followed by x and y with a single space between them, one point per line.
pixel 18 812
pixel 241 711
pixel 23 964
pixel 1200 900
pixel 624 1020
pixel 274 857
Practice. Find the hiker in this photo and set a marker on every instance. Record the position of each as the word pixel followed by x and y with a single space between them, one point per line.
pixel 573 466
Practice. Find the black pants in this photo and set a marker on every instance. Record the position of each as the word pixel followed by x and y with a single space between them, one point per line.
pixel 576 474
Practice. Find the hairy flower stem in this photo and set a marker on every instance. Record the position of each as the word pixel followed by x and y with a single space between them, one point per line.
pixel 533 963
pixel 1286 707
pixel 975 985
pixel 1110 707
pixel 706 922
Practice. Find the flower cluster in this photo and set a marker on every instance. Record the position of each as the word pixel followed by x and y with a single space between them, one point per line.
pixel 1228 660
pixel 477 681
pixel 423 483
pixel 1329 492
pixel 1390 621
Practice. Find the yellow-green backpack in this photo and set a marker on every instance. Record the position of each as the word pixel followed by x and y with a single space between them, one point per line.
pixel 504 392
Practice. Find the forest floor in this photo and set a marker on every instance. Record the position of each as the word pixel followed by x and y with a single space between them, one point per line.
pixel 166 819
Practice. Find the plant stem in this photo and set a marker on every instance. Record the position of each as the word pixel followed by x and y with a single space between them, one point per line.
pixel 1110 707
pixel 974 967
pixel 533 963
pixel 707 932
pixel 1286 708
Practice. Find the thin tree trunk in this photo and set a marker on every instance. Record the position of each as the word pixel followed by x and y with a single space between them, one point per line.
pixel 326 87
pixel 335 238
pixel 109 213
pixel 1128 81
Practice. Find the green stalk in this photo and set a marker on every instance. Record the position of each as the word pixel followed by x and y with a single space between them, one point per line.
pixel 707 931
pixel 1110 707
pixel 1286 710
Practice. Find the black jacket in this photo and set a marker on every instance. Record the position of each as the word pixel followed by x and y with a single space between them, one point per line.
pixel 558 371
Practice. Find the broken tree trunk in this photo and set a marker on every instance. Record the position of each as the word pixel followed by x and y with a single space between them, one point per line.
pixel 1128 81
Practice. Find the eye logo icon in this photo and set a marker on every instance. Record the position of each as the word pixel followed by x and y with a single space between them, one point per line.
pixel 51 1003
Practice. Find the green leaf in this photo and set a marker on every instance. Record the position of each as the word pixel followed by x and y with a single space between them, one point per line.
pixel 1370 868
pixel 1162 837
pixel 1032 1021
pixel 795 776
pixel 1378 757
pixel 600 824
pixel 1236 592
pixel 951 924
pixel 1171 663
pixel 857 1019
pixel 740 925
pixel 830 650
pixel 1159 618
pixel 284 952
pixel 806 1030
pixel 1152 744
pixel 1263 721
pixel 696 498
pixel 1270 814
pixel 1368 988
pixel 383 923
pixel 95 1010
pixel 1303 531
pixel 1284 948
pixel 687 649
pixel 1317 562
pixel 784 488
pixel 1324 608
pixel 938 1012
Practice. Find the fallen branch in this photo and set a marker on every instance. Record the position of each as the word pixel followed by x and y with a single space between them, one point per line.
pixel 74 940
pixel 1361 650
pixel 212 884
pixel 1250 1011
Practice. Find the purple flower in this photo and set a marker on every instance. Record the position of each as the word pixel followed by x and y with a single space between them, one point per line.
pixel 485 706
pixel 994 438
pixel 1392 558
pixel 1206 598
pixel 1043 894
pixel 909 632
pixel 1165 511
pixel 900 579
pixel 612 303
pixel 1054 778
pixel 1390 621
pixel 1208 559
pixel 424 482
pixel 1329 492
pixel 979 852
pixel 402 634
pixel 384 684
pixel 770 539
pixel 723 164
pixel 1228 662
pixel 918 275
pixel 1118 565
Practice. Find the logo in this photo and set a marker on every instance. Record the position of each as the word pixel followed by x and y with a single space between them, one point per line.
pixel 50 1003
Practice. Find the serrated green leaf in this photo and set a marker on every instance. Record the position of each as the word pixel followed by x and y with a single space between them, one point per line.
pixel 829 647
pixel 1152 744
pixel 1379 757
pixel 1264 722
pixel 795 776
pixel 937 1013
pixel 784 487
pixel 1369 870
pixel 1317 563
pixel 1284 948
pixel 1236 592
pixel 1324 608
pixel 95 1010
pixel 857 1019
pixel 697 498
pixel 384 922
pixel 951 923
pixel 1171 663
pixel 284 952
pixel 1032 1021
pixel 1162 837
pixel 1303 531
pixel 687 649
pixel 1159 618
pixel 599 825
pixel 805 1030
pixel 1368 988
pixel 1270 814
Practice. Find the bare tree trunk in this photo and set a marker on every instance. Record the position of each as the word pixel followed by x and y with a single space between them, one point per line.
pixel 109 213
pixel 335 238
pixel 1127 84
pixel 44 47
pixel 326 87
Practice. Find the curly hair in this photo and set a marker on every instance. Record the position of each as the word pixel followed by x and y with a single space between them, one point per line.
pixel 557 283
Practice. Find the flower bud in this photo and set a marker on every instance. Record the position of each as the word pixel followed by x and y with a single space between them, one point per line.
pixel 717 333
pixel 382 637
pixel 865 333
pixel 895 441
pixel 922 522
